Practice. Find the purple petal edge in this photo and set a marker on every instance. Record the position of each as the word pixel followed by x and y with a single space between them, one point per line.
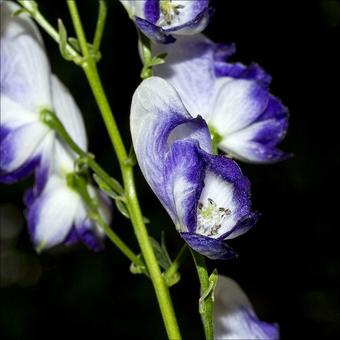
pixel 212 248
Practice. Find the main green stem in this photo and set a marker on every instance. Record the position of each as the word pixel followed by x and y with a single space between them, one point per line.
pixel 161 289
pixel 206 306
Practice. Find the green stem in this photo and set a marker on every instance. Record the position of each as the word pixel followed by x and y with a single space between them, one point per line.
pixel 80 185
pixel 161 289
pixel 53 122
pixel 100 25
pixel 206 300
pixel 172 271
pixel 32 8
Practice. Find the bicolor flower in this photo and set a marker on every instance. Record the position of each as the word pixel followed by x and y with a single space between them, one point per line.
pixel 161 19
pixel 206 195
pixel 25 91
pixel 57 214
pixel 234 317
pixel 234 99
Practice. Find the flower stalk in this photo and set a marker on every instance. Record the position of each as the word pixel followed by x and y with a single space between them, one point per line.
pixel 206 301
pixel 161 289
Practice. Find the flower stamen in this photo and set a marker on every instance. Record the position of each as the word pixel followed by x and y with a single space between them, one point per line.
pixel 169 11
pixel 210 217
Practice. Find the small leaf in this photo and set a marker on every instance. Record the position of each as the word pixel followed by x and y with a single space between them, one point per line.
pixel 115 194
pixel 63 41
pixel 138 269
pixel 160 59
pixel 132 160
pixel 164 248
pixel 122 208
pixel 209 291
pixel 161 256
pixel 74 43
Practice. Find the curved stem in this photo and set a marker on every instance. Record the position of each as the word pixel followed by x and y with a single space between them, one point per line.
pixel 161 289
pixel 100 25
pixel 81 188
pixel 32 8
pixel 51 119
pixel 206 300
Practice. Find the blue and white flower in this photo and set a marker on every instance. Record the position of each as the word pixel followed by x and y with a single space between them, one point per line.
pixel 25 91
pixel 234 317
pixel 206 195
pixel 57 213
pixel 161 19
pixel 233 98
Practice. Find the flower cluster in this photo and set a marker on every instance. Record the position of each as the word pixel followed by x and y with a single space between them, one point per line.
pixel 199 94
pixel 56 213
pixel 198 102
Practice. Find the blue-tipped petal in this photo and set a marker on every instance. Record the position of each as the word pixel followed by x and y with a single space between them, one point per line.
pixel 234 316
pixel 154 32
pixel 160 20
pixel 52 214
pixel 209 247
pixel 184 171
pixel 239 103
pixel 20 147
pixel 158 117
pixel 232 97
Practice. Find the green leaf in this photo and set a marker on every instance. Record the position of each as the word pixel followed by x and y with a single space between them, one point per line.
pixel 161 255
pixel 208 292
pixel 138 269
pixel 121 206
pixel 63 41
pixel 115 194
pixel 74 43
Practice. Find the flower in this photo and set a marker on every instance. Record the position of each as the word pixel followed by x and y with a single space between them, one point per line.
pixel 234 317
pixel 159 19
pixel 25 91
pixel 234 99
pixel 57 213
pixel 206 195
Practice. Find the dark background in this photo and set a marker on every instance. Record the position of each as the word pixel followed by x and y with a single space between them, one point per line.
pixel 288 264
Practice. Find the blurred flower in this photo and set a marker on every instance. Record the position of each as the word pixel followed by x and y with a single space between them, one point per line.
pixel 160 19
pixel 58 214
pixel 25 91
pixel 247 121
pixel 234 317
pixel 206 196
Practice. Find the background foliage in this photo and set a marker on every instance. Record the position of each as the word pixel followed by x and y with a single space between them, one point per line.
pixel 288 264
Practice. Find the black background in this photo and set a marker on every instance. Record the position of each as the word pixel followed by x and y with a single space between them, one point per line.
pixel 288 264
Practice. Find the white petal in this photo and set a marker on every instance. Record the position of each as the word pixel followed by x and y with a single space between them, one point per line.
pixel 68 112
pixel 234 317
pixel 184 58
pixel 56 212
pixel 13 114
pixel 25 70
pixel 64 159
pixel 239 103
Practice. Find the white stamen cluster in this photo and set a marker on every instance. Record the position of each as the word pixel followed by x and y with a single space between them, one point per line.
pixel 210 217
pixel 169 11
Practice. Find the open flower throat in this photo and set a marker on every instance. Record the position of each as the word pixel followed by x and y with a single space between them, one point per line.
pixel 169 11
pixel 210 217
